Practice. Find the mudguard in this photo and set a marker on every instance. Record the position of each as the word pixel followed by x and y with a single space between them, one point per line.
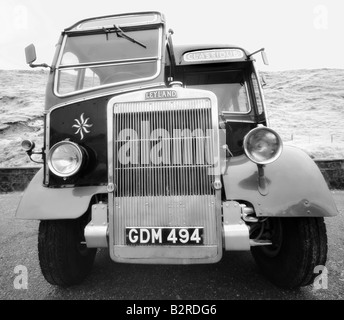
pixel 295 186
pixel 41 203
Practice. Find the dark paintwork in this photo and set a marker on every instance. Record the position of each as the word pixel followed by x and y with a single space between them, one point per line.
pixel 296 186
pixel 61 127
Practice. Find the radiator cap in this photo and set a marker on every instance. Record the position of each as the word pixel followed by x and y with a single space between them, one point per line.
pixel 175 84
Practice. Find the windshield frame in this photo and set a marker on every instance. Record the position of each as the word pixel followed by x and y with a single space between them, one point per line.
pixel 263 117
pixel 61 67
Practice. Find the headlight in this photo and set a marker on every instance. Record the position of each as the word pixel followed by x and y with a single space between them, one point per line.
pixel 65 158
pixel 263 145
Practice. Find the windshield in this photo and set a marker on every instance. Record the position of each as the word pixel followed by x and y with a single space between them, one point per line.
pixel 107 57
pixel 230 88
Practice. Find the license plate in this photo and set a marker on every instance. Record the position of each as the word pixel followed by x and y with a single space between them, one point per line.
pixel 164 236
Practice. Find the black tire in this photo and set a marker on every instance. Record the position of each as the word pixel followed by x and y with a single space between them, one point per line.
pixel 299 245
pixel 64 260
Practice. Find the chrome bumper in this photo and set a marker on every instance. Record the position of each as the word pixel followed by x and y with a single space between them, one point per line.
pixel 230 233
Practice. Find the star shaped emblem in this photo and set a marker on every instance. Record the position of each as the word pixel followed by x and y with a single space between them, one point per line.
pixel 82 126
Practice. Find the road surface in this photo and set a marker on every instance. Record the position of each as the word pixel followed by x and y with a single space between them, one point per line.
pixel 235 277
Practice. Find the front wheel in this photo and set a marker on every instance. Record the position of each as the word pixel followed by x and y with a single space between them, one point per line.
pixel 298 246
pixel 64 258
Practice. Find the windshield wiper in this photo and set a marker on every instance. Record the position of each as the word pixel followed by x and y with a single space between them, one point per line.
pixel 120 33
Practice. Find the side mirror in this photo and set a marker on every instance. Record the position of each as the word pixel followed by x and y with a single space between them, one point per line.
pixel 30 54
pixel 265 58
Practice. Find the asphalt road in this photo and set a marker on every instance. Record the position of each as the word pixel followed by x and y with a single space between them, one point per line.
pixel 234 277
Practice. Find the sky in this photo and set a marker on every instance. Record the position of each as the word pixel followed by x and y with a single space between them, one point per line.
pixel 296 34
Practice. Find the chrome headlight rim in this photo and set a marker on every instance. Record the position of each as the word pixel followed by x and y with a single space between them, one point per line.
pixel 274 157
pixel 80 153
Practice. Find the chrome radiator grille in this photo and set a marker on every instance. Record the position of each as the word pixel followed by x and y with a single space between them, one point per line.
pixel 162 154
pixel 163 148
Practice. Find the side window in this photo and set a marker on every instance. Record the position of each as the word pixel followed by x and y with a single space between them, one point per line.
pixel 238 101
pixel 72 79
pixel 230 87
pixel 68 77
pixel 69 58
pixel 91 79
pixel 257 93
pixel 67 81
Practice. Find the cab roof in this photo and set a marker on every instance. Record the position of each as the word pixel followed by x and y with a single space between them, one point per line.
pixel 125 19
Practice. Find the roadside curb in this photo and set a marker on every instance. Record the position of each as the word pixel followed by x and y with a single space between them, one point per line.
pixel 333 172
pixel 16 179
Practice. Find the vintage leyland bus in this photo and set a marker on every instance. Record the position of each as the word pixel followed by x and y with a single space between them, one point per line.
pixel 163 154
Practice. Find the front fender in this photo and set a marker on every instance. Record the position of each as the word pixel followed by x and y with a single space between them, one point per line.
pixel 295 186
pixel 41 203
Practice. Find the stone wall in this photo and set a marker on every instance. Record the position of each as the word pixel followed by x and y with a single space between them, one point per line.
pixel 333 171
pixel 17 179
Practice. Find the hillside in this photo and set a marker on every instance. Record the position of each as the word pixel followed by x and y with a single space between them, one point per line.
pixel 307 108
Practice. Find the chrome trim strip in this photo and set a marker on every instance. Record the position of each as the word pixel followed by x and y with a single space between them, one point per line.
pixel 165 105
pixel 110 145
pixel 187 254
pixel 59 58
pixel 109 93
pixel 241 121
pixel 47 145
pixel 107 85
pixel 111 198
pixel 106 63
